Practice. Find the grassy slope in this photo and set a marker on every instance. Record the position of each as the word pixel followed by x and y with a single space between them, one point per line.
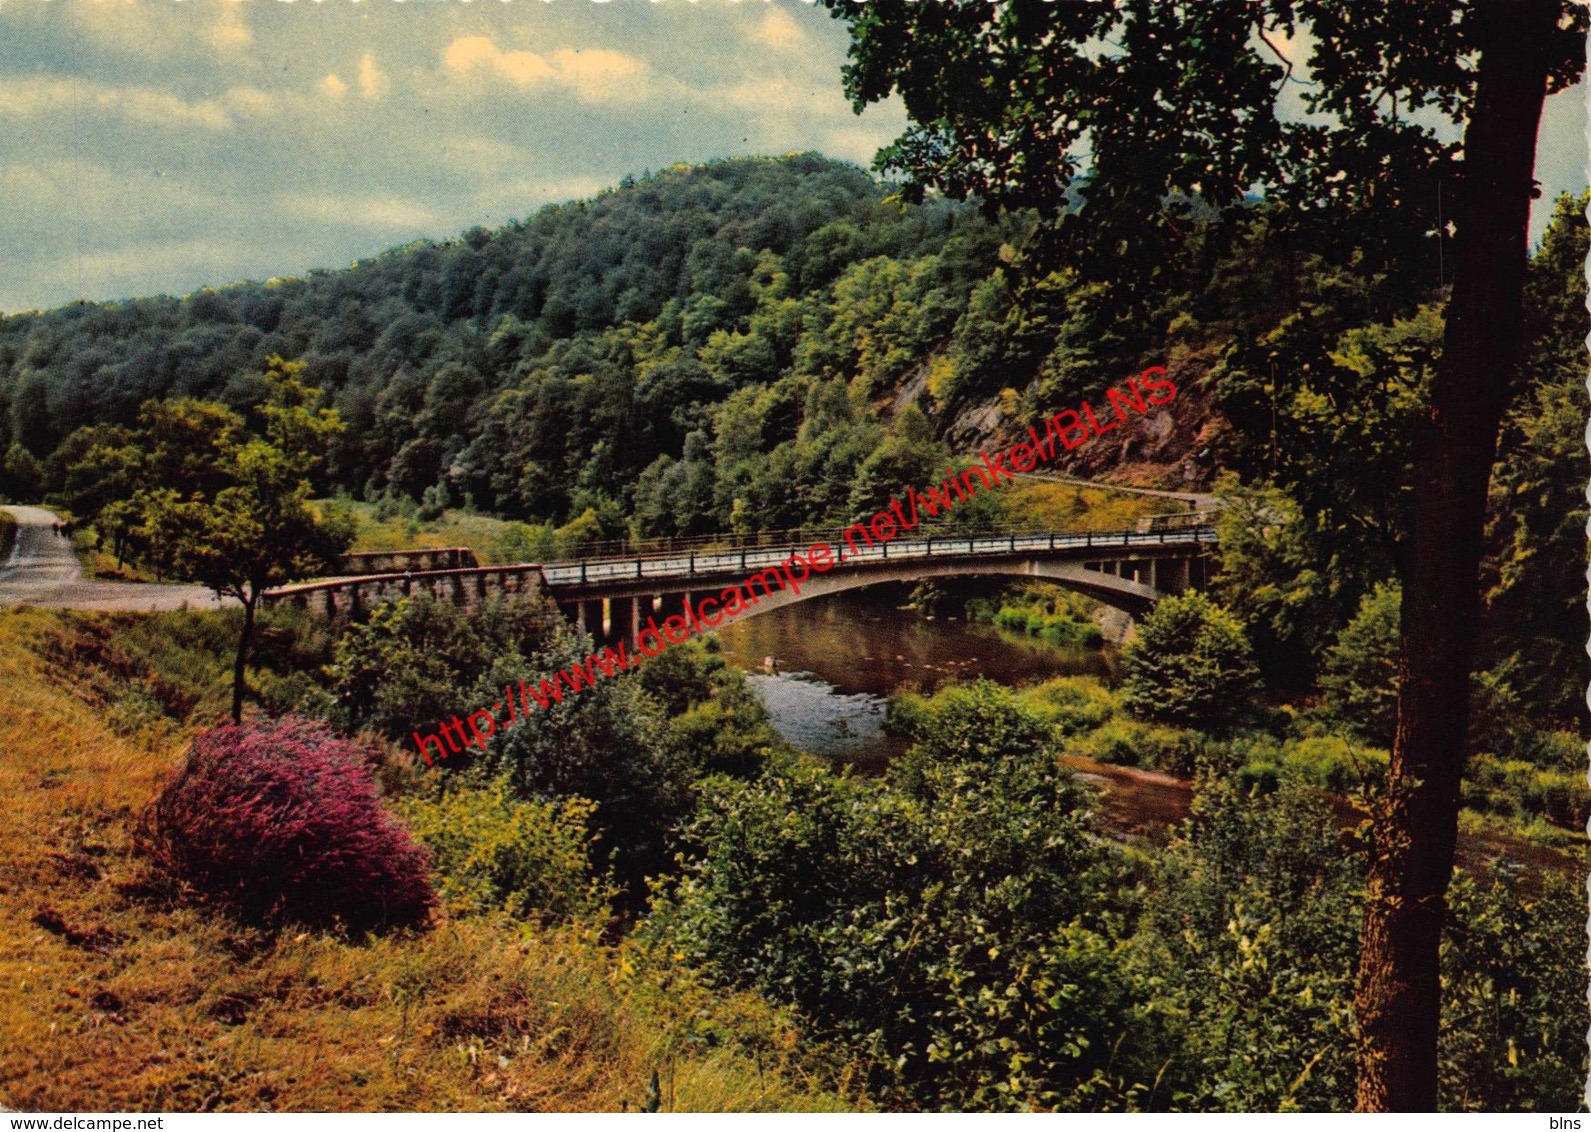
pixel 454 528
pixel 115 997
pixel 1062 507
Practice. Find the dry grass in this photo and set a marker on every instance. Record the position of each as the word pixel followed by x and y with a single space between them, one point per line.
pixel 117 995
pixel 454 528
pixel 98 562
pixel 1063 507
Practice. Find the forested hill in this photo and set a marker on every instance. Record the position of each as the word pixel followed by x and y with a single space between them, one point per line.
pixel 553 357
pixel 756 343
pixel 767 344
pixel 706 345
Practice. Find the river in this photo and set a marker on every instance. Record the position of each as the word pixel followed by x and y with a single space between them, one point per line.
pixel 835 660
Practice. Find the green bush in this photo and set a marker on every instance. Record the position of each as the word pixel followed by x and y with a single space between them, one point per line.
pixel 1058 617
pixel 413 662
pixel 1071 705
pixel 1360 673
pixel 498 853
pixel 1191 665
pixel 947 931
pixel 611 743
pixel 1330 762
pixel 524 542
pixel 1514 1014
pixel 1248 946
pixel 1130 742
pixel 977 722
pixel 1514 788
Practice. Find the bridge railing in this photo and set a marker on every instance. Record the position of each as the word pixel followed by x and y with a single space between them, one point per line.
pixel 628 550
pixel 692 563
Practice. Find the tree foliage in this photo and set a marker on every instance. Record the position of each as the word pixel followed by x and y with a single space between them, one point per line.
pixel 1191 665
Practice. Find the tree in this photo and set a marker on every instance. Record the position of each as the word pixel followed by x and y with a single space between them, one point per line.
pixel 1360 675
pixel 21 476
pixel 1191 665
pixel 258 531
pixel 1536 581
pixel 1074 110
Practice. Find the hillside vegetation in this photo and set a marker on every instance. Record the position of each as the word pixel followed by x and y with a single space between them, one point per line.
pixel 685 349
pixel 763 344
pixel 117 994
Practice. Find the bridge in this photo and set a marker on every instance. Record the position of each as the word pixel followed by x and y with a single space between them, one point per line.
pixel 610 596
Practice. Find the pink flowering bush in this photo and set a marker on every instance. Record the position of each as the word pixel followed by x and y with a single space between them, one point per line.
pixel 282 819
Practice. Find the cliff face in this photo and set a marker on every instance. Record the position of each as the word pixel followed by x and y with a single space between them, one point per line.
pixel 1175 446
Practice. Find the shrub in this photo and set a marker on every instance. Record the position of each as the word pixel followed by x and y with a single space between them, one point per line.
pixel 1248 945
pixel 1515 788
pixel 495 852
pixel 1127 742
pixel 1058 617
pixel 413 660
pixel 1071 704
pixel 1513 999
pixel 282 820
pixel 1332 763
pixel 945 934
pixel 1191 665
pixel 979 722
pixel 612 743
pixel 1360 673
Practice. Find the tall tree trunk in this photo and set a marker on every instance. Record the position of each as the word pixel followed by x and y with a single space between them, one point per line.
pixel 242 658
pixel 1398 997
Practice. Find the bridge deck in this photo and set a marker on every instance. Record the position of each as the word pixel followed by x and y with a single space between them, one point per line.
pixel 675 567
pixel 684 571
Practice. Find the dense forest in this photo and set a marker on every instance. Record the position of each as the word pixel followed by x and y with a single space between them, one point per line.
pixel 770 343
pixel 761 344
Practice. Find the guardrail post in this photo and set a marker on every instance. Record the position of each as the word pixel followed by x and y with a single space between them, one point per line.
pixel 930 545
pixel 743 558
pixel 1089 538
pixel 692 568
pixel 1013 544
pixel 582 572
pixel 637 567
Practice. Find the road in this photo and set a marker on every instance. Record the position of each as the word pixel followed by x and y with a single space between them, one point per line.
pixel 44 571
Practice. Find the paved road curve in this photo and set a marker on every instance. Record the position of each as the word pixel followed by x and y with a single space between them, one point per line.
pixel 43 570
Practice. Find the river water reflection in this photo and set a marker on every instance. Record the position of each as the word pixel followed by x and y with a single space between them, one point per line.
pixel 837 658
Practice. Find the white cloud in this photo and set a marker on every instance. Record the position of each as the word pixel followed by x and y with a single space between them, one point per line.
pixel 595 74
pixel 372 80
pixel 252 102
pixel 599 75
pixel 334 86
pixel 230 32
pixel 522 68
pixel 778 29
pixel 381 213
pixel 22 98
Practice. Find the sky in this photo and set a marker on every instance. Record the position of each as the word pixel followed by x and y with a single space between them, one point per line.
pixel 158 146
